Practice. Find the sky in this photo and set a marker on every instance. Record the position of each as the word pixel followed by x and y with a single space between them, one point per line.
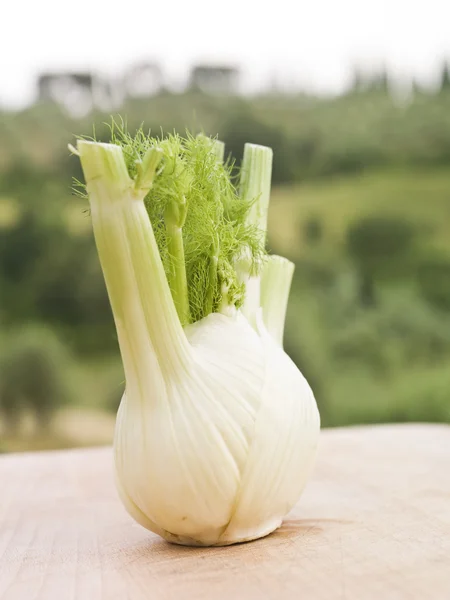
pixel 313 44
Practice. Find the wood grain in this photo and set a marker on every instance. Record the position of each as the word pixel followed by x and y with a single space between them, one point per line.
pixel 374 523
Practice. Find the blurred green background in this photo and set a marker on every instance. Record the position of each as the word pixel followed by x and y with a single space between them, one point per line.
pixel 360 202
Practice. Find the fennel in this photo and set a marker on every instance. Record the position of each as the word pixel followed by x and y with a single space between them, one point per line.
pixel 217 430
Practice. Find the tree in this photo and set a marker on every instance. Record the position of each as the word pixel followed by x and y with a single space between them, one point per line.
pixel 242 127
pixel 32 375
pixel 433 277
pixel 380 247
pixel 312 230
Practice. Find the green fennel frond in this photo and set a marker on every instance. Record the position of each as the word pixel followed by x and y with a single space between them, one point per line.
pixel 195 193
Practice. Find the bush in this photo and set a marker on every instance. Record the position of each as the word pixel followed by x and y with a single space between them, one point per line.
pixel 389 337
pixel 433 277
pixel 312 230
pixel 20 247
pixel 242 127
pixel 381 247
pixel 380 244
pixel 349 160
pixel 32 375
pixel 70 289
pixel 413 395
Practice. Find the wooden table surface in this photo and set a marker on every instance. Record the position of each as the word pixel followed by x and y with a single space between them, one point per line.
pixel 373 523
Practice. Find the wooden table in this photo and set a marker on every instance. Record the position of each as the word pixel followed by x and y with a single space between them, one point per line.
pixel 373 523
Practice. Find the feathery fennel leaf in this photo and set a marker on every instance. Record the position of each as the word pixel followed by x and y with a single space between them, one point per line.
pixel 194 196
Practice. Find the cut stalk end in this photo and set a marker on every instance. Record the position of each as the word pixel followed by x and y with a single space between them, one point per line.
pixel 103 164
pixel 256 176
pixel 219 150
pixel 276 279
pixel 255 183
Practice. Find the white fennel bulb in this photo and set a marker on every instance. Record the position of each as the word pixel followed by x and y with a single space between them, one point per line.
pixel 217 430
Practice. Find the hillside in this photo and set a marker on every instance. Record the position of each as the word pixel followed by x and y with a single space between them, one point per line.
pixel 311 136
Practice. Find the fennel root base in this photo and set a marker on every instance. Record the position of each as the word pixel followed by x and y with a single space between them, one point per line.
pixel 187 541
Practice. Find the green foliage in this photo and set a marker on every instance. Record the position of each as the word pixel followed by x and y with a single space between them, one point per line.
pixel 311 137
pixel 400 331
pixel 49 277
pixel 418 395
pixel 381 247
pixel 433 277
pixel 24 248
pixel 69 287
pixel 241 127
pixel 20 246
pixel 363 363
pixel 313 230
pixel 317 271
pixel 32 375
pixel 197 191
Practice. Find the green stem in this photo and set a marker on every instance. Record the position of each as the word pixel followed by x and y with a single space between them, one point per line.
pixel 146 169
pixel 256 175
pixel 174 218
pixel 219 150
pixel 152 342
pixel 226 307
pixel 177 278
pixel 276 279
pixel 212 276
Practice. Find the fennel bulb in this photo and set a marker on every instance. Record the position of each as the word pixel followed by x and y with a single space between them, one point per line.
pixel 217 430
